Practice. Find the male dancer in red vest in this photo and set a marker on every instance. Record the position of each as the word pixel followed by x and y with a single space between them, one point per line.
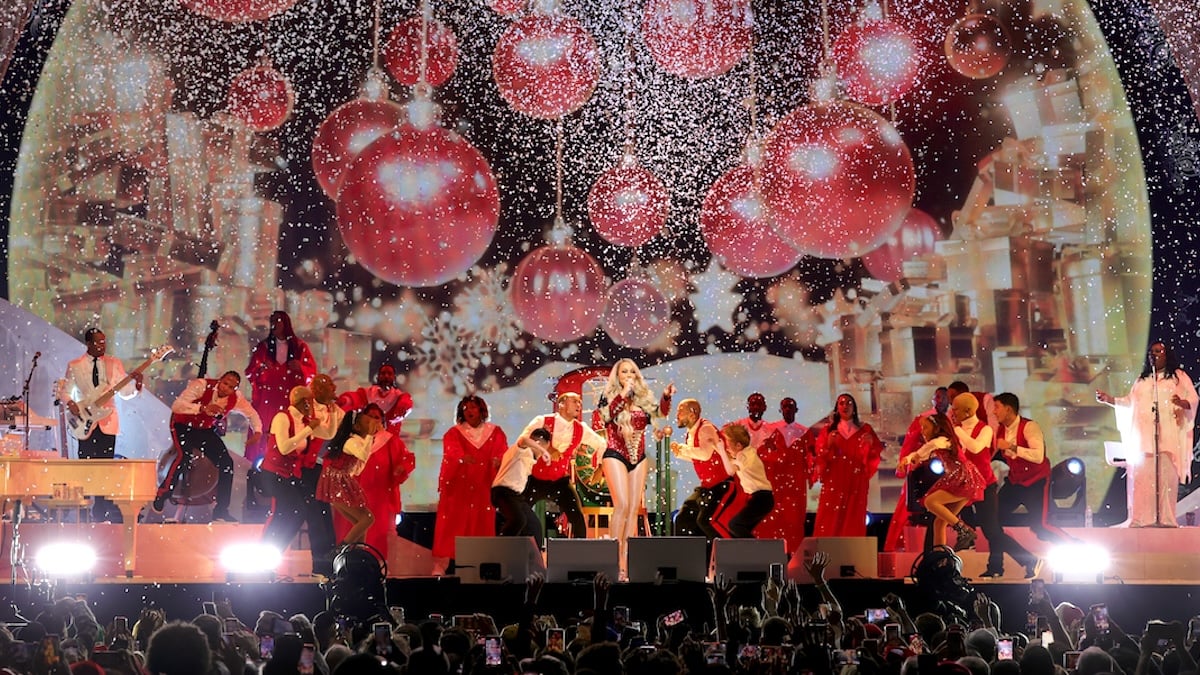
pixel 700 446
pixel 555 480
pixel 1022 445
pixel 194 416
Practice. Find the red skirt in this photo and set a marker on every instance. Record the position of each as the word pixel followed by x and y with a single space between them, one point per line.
pixel 339 487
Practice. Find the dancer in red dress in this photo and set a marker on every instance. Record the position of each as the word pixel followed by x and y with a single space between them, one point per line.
pixel 279 363
pixel 912 440
pixel 471 454
pixel 848 454
pixel 960 484
pixel 788 459
pixel 338 485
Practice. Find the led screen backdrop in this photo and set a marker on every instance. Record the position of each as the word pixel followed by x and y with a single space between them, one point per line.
pixel 713 188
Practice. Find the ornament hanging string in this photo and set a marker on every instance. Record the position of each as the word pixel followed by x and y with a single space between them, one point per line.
pixel 375 37
pixel 826 46
pixel 426 15
pixel 558 168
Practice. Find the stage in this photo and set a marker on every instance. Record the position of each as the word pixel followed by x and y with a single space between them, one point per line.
pixel 1154 573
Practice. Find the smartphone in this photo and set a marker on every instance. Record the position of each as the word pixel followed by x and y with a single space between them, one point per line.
pixel 1070 660
pixel 307 659
pixel 436 618
pixel 891 632
pixel 748 653
pixel 823 611
pixel 231 625
pixel 266 647
pixel 1047 638
pixel 1037 590
pixel 492 653
pixel 777 572
pixel 210 608
pixel 120 625
pixel 876 615
pixel 620 615
pixel 714 652
pixel 1004 650
pixel 397 613
pixel 1100 616
pixel 556 640
pixel 383 634
pixel 674 618
pixel 1031 624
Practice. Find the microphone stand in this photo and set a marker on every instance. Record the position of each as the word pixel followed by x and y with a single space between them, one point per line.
pixel 25 396
pixel 1157 458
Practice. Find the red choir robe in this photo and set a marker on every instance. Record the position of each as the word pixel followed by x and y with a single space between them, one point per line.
pixel 465 487
pixel 271 383
pixel 845 467
pixel 788 462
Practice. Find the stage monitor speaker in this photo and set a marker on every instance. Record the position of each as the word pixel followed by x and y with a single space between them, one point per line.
pixel 746 559
pixel 483 559
pixel 581 559
pixel 674 558
pixel 848 556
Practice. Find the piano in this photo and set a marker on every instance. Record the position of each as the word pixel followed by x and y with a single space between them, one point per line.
pixel 129 483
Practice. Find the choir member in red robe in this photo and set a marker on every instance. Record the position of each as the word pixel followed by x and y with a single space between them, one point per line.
pixel 847 457
pixel 787 456
pixel 279 363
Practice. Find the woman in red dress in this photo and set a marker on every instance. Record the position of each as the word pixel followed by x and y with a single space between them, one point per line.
pixel 278 363
pixel 847 457
pixel 960 485
pixel 338 485
pixel 471 454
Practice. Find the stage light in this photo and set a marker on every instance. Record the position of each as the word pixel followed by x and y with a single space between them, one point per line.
pixel 1068 493
pixel 358 583
pixel 65 559
pixel 250 561
pixel 920 479
pixel 1079 561
pixel 936 467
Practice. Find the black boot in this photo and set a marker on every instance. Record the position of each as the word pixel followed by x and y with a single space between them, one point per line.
pixel 966 536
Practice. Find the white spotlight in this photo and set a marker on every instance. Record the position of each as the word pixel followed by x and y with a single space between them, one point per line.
pixel 1079 561
pixel 937 467
pixel 250 559
pixel 66 559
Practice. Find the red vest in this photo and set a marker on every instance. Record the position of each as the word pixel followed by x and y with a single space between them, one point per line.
pixel 1023 471
pixel 561 468
pixel 982 460
pixel 711 471
pixel 278 463
pixel 201 420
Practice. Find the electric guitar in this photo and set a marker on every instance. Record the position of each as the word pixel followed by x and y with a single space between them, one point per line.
pixel 93 409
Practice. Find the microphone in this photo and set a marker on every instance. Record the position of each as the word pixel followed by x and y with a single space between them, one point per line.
pixel 36 356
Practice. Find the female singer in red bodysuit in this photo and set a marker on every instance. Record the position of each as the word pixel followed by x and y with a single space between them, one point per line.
pixel 847 457
pixel 627 408
pixel 278 363
pixel 960 485
pixel 471 454
pixel 338 485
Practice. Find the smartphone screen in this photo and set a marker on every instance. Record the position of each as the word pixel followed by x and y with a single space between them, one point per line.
pixel 1031 624
pixel 231 625
pixel 210 608
pixel 383 636
pixel 556 640
pixel 1004 649
pixel 673 618
pixel 876 615
pixel 1070 660
pixel 777 572
pixel 714 652
pixel 436 618
pixel 891 632
pixel 307 659
pixel 492 654
pixel 120 625
pixel 748 653
pixel 1047 638
pixel 266 647
pixel 1100 616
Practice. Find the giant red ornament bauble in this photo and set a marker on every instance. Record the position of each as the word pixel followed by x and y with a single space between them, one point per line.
pixel 635 313
pixel 345 133
pixel 697 38
pixel 838 179
pixel 877 61
pixel 238 11
pixel 418 207
pixel 917 237
pixel 558 293
pixel 978 46
pixel 628 205
pixel 261 97
pixel 546 66
pixel 507 7
pixel 737 226
pixel 401 52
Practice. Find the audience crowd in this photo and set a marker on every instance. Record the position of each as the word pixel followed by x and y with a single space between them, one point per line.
pixel 787 633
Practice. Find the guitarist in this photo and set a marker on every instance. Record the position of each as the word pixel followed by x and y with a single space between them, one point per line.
pixel 87 378
pixel 196 412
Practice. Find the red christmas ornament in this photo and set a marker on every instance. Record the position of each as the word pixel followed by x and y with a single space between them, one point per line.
pixel 558 292
pixel 261 97
pixel 838 179
pixel 418 207
pixel 546 66
pixel 636 313
pixel 697 38
pixel 918 236
pixel 978 46
pixel 238 11
pixel 402 52
pixel 737 226
pixel 345 133
pixel 507 7
pixel 878 61
pixel 628 205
